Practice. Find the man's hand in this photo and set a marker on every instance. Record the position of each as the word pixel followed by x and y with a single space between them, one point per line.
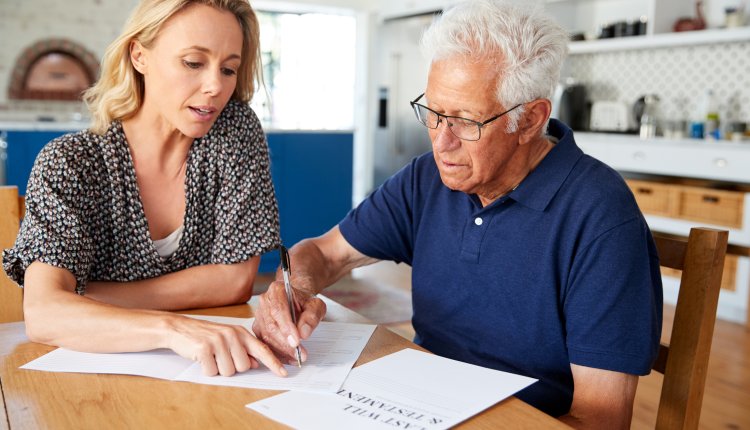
pixel 273 320
pixel 315 264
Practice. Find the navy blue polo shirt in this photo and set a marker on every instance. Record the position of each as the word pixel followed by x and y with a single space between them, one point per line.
pixel 562 270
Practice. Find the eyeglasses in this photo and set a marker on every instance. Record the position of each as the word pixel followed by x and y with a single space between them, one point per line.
pixel 462 128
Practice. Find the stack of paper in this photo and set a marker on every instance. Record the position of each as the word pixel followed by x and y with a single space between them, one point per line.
pixel 408 389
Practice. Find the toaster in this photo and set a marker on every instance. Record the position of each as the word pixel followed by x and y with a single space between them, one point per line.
pixel 610 116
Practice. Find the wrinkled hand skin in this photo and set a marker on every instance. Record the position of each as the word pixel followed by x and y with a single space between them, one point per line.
pixel 273 321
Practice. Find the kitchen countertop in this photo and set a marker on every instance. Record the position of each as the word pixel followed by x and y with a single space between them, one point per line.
pixel 687 158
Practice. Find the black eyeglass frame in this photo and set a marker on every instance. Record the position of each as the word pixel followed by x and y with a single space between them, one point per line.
pixel 479 124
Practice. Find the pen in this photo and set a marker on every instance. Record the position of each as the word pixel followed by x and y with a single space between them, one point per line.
pixel 288 288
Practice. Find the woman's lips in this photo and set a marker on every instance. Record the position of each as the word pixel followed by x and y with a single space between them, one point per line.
pixel 203 112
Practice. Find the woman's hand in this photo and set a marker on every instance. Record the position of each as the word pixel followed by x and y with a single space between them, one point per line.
pixel 273 320
pixel 56 315
pixel 219 348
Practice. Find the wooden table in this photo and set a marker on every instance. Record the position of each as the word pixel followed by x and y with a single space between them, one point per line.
pixel 44 400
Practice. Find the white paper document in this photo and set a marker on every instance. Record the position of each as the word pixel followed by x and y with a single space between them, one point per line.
pixel 408 389
pixel 332 350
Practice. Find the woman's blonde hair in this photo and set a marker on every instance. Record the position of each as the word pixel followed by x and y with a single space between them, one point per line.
pixel 118 94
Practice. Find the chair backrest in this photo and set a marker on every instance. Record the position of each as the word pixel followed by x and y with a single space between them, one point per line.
pixel 684 361
pixel 11 212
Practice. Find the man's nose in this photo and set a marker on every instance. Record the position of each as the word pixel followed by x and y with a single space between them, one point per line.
pixel 444 139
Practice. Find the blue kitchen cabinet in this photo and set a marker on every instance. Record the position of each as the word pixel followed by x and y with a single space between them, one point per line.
pixel 23 147
pixel 311 172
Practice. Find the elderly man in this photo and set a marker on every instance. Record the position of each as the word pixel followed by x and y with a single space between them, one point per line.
pixel 528 256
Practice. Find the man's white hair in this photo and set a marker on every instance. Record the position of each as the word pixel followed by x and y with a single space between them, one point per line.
pixel 527 47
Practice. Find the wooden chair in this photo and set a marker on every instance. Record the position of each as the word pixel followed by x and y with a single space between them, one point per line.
pixel 684 361
pixel 11 212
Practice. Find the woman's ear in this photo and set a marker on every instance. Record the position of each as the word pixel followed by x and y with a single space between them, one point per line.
pixel 534 119
pixel 138 56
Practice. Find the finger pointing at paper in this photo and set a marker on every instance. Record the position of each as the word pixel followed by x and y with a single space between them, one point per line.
pixel 220 349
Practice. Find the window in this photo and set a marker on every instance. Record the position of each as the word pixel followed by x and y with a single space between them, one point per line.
pixel 308 67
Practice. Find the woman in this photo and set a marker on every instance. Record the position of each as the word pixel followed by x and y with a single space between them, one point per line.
pixel 164 203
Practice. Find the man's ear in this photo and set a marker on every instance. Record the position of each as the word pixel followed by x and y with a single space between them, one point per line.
pixel 138 56
pixel 534 119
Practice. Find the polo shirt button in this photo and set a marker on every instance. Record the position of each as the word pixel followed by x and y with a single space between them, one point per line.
pixel 478 221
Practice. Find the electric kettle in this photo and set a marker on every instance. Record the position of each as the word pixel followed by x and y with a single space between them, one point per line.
pixel 570 104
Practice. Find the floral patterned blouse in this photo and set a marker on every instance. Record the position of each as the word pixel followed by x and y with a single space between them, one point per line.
pixel 84 212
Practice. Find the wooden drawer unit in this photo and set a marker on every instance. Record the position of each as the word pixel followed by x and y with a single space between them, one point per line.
pixel 656 198
pixel 712 206
pixel 728 277
pixel 716 207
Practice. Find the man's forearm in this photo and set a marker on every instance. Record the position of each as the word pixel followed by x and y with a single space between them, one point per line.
pixel 320 262
pixel 601 399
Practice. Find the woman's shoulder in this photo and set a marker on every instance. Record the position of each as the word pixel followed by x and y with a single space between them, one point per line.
pixel 236 115
pixel 79 148
pixel 237 129
pixel 69 166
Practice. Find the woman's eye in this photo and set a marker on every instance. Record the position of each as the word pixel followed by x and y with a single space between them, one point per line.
pixel 191 64
pixel 228 72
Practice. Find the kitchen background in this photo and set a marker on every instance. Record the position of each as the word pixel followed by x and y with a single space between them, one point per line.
pixel 373 57
pixel 339 75
pixel 680 76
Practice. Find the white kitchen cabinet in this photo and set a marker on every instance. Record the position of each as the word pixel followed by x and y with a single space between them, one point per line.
pixel 688 158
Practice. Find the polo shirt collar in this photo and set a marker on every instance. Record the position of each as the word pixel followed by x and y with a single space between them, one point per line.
pixel 538 189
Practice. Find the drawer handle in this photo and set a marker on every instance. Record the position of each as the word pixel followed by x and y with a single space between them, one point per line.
pixel 710 199
pixel 645 191
pixel 639 155
pixel 721 162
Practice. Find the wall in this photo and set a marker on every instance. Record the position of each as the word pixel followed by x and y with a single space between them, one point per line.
pixel 90 23
pixel 714 11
